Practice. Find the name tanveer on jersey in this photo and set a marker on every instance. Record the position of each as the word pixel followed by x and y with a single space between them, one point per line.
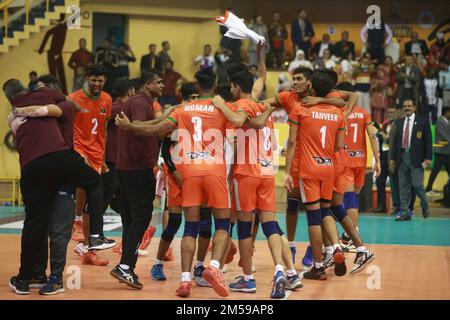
pixel 90 126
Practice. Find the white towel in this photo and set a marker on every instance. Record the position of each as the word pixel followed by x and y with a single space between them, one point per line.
pixel 237 28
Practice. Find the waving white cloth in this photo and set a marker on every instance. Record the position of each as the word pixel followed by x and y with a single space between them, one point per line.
pixel 237 28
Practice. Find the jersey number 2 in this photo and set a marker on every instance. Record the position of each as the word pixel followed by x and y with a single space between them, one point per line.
pixel 94 126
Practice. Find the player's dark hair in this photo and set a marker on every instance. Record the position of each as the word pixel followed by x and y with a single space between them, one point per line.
pixel 244 80
pixel 188 89
pixel 224 90
pixel 50 81
pixel 321 84
pixel 96 70
pixel 330 73
pixel 148 75
pixel 235 67
pixel 121 87
pixel 33 73
pixel 12 87
pixel 445 110
pixel 205 78
pixel 345 86
pixel 307 73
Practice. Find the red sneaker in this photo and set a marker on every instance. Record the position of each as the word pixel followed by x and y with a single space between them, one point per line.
pixel 184 290
pixel 215 279
pixel 148 235
pixel 231 253
pixel 77 231
pixel 169 255
pixel 91 258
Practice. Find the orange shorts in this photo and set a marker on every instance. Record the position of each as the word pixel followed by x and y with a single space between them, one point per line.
pixel 313 191
pixel 173 191
pixel 340 180
pixel 254 193
pixel 355 176
pixel 209 190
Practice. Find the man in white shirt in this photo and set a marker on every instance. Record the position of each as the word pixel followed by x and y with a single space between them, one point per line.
pixel 206 60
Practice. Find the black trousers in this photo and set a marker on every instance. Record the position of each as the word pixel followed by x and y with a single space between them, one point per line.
pixel 60 225
pixel 138 192
pixel 381 180
pixel 110 186
pixel 39 181
pixel 439 161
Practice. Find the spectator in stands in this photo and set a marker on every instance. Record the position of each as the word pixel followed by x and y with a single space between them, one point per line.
pixel 299 61
pixel 416 45
pixel 430 96
pixel 108 58
pixel 362 75
pixel 444 76
pixel 431 63
pixel 393 50
pixel 164 53
pixel 277 35
pixel 253 69
pixel 346 68
pixel 408 81
pixel 376 39
pixel 206 60
pixel 392 69
pixel 302 32
pixel 260 28
pixel 32 85
pixel 125 55
pixel 344 46
pixel 442 149
pixel 379 93
pixel 320 47
pixel 170 81
pixel 79 61
pixel 223 57
pixel 440 48
pixel 325 62
pixel 151 60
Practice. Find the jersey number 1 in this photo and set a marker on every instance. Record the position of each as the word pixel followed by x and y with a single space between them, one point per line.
pixel 323 132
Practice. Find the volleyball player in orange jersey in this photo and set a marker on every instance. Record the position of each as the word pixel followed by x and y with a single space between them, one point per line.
pixel 90 127
pixel 321 134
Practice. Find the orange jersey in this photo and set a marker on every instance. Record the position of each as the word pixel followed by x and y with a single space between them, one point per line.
pixel 156 106
pixel 90 125
pixel 287 100
pixel 253 147
pixel 355 137
pixel 341 156
pixel 295 160
pixel 318 126
pixel 201 136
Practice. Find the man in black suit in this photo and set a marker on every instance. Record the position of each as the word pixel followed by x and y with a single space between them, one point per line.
pixel 302 32
pixel 151 60
pixel 412 149
pixel 416 46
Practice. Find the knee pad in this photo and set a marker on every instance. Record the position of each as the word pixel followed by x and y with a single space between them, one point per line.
pixel 325 212
pixel 244 229
pixel 191 229
pixel 222 224
pixel 314 217
pixel 280 232
pixel 231 229
pixel 338 212
pixel 270 228
pixel 293 204
pixel 350 201
pixel 172 227
pixel 205 223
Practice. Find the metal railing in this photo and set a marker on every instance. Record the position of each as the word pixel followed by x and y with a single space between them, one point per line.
pixel 5 5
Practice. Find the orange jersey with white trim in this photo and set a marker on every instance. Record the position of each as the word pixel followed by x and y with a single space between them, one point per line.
pixel 201 135
pixel 355 137
pixel 254 147
pixel 318 126
pixel 341 156
pixel 287 100
pixel 90 126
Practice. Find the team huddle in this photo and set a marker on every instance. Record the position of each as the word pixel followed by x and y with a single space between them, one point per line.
pixel 218 148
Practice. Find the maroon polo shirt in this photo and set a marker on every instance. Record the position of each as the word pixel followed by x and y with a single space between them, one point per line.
pixel 66 121
pixel 137 152
pixel 38 136
pixel 111 139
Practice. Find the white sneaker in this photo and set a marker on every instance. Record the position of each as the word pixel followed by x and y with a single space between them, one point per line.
pixel 433 193
pixel 80 249
pixel 142 253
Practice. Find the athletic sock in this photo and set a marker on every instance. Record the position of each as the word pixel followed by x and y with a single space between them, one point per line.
pixel 318 265
pixel 279 267
pixel 158 262
pixel 199 264
pixel 95 235
pixel 291 273
pixel 361 249
pixel 124 266
pixel 248 278
pixel 329 250
pixel 292 244
pixel 185 276
pixel 215 264
pixel 78 218
pixel 336 246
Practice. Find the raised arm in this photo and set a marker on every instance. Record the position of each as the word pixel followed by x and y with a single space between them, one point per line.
pixel 236 118
pixel 260 121
pixel 258 86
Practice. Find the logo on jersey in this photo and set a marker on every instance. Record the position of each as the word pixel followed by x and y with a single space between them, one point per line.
pixel 84 111
pixel 198 155
pixel 265 163
pixel 356 153
pixel 323 161
pixel 102 111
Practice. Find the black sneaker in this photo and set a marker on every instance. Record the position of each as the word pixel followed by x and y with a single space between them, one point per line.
pixel 19 286
pixel 426 213
pixel 38 282
pixel 53 286
pixel 340 269
pixel 362 260
pixel 315 274
pixel 127 276
pixel 345 239
pixel 100 243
